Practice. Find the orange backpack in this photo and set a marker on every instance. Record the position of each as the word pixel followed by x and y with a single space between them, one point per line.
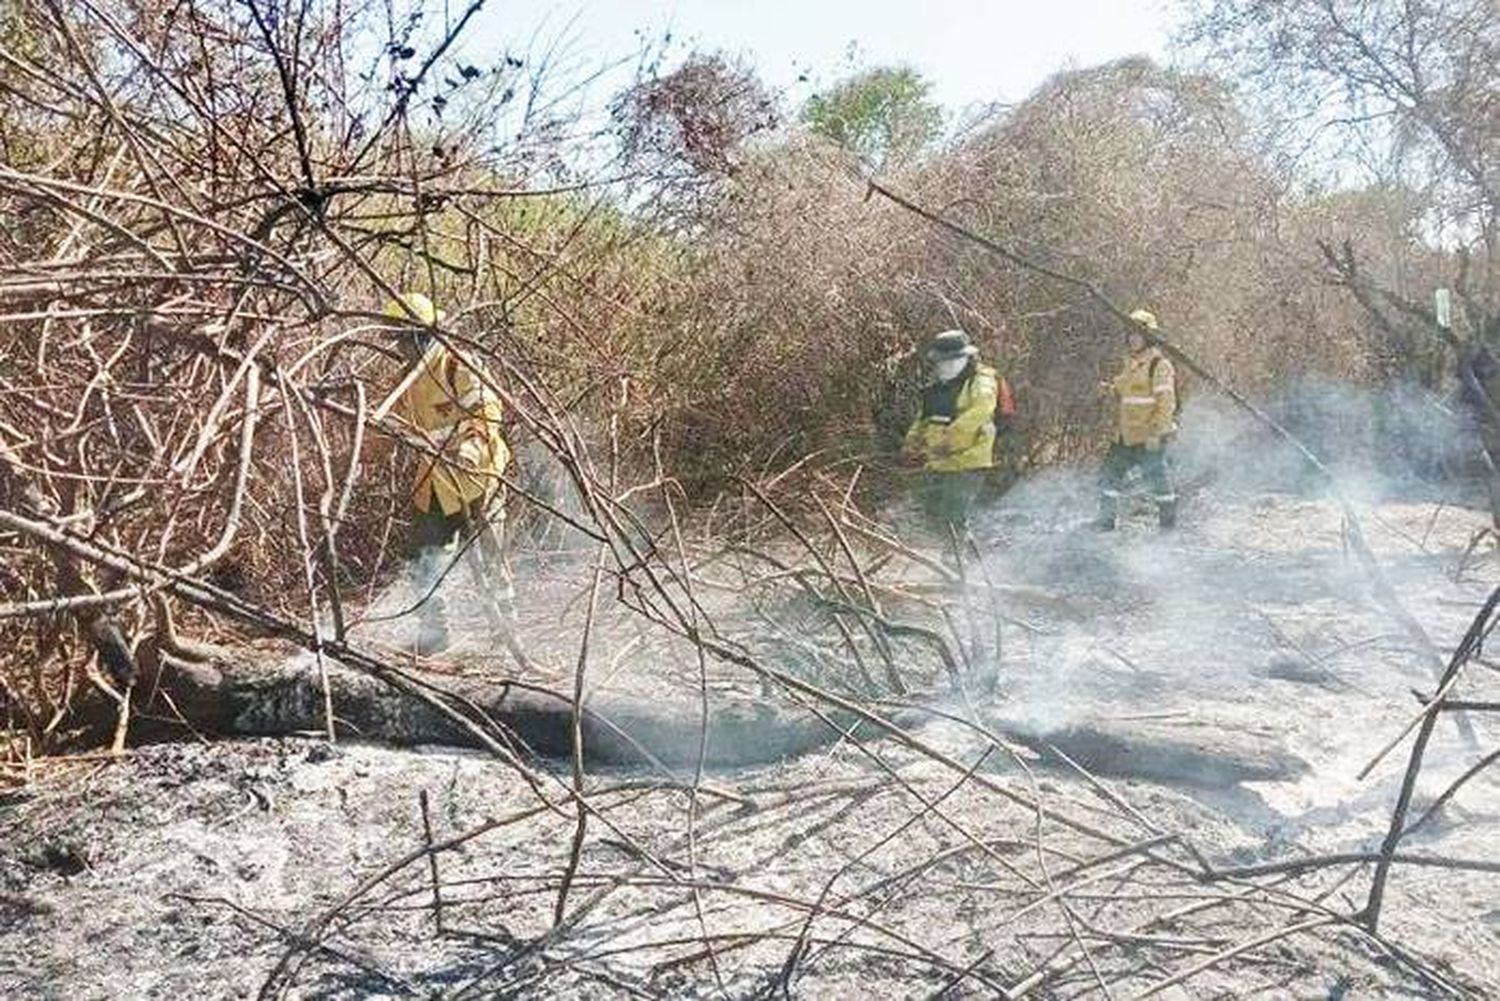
pixel 1005 400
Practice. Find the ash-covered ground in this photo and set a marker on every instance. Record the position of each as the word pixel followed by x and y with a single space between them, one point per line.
pixel 869 867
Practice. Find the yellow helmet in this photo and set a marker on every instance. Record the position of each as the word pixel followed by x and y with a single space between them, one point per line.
pixel 1145 318
pixel 414 305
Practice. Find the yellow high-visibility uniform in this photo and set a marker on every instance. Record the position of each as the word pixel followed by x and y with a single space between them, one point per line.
pixel 965 441
pixel 1147 393
pixel 460 416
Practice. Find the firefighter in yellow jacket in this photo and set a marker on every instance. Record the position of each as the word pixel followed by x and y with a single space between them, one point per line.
pixel 458 489
pixel 1146 400
pixel 953 436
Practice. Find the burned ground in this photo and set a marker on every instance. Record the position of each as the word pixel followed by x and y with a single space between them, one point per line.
pixel 867 866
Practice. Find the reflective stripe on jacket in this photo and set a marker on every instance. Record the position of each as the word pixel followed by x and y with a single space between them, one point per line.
pixel 967 440
pixel 1147 392
pixel 459 415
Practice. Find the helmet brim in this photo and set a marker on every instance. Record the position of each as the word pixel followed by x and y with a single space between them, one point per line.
pixel 948 354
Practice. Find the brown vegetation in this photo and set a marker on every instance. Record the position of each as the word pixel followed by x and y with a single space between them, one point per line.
pixel 205 205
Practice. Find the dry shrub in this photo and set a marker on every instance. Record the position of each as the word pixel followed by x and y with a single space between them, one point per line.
pixel 198 197
pixel 773 337
pixel 797 329
pixel 178 215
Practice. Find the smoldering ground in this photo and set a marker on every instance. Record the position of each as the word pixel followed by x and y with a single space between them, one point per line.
pixel 1253 618
pixel 1249 630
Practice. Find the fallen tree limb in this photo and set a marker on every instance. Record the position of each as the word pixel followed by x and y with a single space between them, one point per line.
pixel 247 694
pixel 1452 790
pixel 1357 858
pixel 1231 952
pixel 1473 639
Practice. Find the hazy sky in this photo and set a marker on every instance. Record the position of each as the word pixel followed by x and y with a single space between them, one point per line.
pixel 972 51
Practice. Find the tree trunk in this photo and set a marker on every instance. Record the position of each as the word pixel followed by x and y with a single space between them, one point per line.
pixel 254 693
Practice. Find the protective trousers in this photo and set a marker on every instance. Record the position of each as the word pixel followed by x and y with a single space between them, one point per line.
pixel 471 535
pixel 947 499
pixel 1152 463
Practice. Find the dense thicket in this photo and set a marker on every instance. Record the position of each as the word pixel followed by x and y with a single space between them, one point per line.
pixel 204 207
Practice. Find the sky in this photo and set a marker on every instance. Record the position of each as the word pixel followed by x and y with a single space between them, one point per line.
pixel 973 52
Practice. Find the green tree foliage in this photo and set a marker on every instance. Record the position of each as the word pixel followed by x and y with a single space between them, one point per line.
pixel 882 115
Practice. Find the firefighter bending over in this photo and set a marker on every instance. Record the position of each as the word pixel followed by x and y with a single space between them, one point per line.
pixel 458 493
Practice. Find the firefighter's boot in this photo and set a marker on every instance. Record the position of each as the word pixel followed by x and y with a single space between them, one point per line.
pixel 1104 521
pixel 1166 513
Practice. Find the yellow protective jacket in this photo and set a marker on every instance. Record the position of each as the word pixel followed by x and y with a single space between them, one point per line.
pixel 460 416
pixel 966 440
pixel 1147 394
